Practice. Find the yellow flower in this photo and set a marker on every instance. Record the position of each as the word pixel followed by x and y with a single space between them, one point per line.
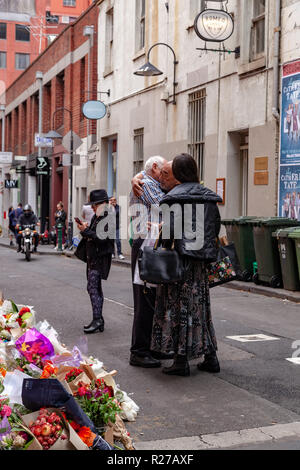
pixel 24 347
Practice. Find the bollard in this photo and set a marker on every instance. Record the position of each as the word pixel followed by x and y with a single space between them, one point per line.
pixel 59 237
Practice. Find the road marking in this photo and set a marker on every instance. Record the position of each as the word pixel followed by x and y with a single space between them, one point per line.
pixel 252 338
pixel 119 303
pixel 294 360
pixel 225 440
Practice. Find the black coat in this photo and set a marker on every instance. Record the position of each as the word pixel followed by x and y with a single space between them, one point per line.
pixel 99 252
pixel 188 196
pixel 60 218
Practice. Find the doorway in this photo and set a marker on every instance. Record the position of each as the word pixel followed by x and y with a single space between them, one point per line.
pixel 112 166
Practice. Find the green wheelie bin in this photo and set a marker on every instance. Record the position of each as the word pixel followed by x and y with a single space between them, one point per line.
pixel 288 260
pixel 240 232
pixel 295 236
pixel 266 249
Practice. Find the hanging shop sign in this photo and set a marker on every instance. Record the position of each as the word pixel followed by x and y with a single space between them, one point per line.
pixel 42 166
pixel 11 184
pixel 289 171
pixel 214 25
pixel 94 109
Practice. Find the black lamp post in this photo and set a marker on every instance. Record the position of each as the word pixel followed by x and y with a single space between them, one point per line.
pixel 149 70
pixel 55 135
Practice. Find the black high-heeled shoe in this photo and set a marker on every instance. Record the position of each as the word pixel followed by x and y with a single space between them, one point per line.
pixel 96 325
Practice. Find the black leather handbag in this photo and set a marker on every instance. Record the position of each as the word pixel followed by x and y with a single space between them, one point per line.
pixel 81 252
pixel 158 265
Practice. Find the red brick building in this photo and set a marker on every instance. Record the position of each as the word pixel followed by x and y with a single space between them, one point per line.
pixel 66 65
pixel 26 29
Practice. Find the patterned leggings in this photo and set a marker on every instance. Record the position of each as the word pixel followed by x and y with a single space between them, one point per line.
pixel 94 288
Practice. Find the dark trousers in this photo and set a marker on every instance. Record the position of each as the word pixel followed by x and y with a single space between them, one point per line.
pixel 94 288
pixel 143 311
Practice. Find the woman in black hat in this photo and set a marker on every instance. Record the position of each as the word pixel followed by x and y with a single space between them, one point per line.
pixel 99 252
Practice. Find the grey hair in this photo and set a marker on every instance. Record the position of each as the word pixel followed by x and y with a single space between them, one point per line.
pixel 156 159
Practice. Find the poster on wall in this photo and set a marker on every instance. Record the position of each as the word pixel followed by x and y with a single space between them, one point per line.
pixel 289 172
pixel 289 192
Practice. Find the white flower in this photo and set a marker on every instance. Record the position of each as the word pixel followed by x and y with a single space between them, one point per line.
pixel 19 441
pixel 6 307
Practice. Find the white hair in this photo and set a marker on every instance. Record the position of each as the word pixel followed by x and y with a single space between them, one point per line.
pixel 150 162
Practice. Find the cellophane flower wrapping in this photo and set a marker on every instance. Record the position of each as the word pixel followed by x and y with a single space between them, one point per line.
pixel 34 345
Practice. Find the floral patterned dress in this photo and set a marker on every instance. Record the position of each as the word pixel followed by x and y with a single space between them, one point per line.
pixel 182 320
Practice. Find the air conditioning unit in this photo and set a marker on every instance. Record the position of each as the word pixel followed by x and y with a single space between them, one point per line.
pixel 65 19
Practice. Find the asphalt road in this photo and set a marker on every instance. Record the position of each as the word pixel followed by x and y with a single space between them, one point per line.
pixel 257 386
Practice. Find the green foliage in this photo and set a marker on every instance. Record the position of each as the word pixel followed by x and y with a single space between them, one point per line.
pixel 100 410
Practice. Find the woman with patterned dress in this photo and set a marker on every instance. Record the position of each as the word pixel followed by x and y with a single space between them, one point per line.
pixel 182 319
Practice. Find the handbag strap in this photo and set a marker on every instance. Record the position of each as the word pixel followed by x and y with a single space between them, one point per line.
pixel 159 239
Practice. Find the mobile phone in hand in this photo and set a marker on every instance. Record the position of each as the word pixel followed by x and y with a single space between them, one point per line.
pixel 78 221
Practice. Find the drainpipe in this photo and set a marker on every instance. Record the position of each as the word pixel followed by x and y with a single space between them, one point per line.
pixel 277 30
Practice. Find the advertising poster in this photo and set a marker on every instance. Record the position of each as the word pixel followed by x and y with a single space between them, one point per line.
pixel 289 175
pixel 289 192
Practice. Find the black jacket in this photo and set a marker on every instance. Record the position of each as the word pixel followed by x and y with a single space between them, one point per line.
pixel 27 220
pixel 192 199
pixel 99 252
pixel 60 218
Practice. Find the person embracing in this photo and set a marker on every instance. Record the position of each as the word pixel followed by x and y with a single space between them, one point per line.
pixel 182 319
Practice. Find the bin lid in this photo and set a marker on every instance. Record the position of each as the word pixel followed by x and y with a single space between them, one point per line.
pixel 285 232
pixel 276 222
pixel 238 220
pixel 295 233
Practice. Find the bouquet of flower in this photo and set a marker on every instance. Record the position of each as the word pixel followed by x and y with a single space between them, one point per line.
pixel 70 376
pixel 11 318
pixel 98 402
pixel 13 436
pixel 35 347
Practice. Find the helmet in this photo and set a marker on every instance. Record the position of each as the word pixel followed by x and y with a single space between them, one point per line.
pixel 27 209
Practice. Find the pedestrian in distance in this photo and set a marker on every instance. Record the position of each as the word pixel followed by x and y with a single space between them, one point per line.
pixel 60 217
pixel 116 209
pixel 182 320
pixel 12 222
pixel 99 251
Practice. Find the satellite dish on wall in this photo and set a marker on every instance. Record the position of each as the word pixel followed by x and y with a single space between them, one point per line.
pixel 94 109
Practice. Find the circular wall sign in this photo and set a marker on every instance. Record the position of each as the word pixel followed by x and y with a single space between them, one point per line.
pixel 94 109
pixel 214 25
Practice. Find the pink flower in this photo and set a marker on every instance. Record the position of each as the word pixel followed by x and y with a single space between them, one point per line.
pixel 81 391
pixel 6 411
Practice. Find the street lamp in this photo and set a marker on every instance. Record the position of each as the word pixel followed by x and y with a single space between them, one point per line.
pixel 149 70
pixel 55 135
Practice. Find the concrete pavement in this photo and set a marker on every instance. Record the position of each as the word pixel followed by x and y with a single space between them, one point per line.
pixel 257 387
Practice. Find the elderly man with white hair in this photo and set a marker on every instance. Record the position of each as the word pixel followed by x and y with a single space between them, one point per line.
pixel 151 196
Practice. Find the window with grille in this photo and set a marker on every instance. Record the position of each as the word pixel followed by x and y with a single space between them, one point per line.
pixel 196 126
pixel 22 61
pixel 138 154
pixel 257 43
pixel 2 60
pixel 140 25
pixel 109 40
pixel 3 30
pixel 22 33
pixel 69 3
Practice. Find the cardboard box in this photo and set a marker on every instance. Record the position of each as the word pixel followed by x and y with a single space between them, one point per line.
pixel 73 441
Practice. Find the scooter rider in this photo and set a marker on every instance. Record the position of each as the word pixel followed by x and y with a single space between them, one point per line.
pixel 27 219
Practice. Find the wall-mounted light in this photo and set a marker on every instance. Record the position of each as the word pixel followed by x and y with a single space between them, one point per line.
pixel 149 70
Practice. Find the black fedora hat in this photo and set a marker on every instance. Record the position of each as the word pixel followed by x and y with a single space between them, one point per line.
pixel 98 196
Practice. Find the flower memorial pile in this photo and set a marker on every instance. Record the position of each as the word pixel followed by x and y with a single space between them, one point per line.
pixel 53 398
